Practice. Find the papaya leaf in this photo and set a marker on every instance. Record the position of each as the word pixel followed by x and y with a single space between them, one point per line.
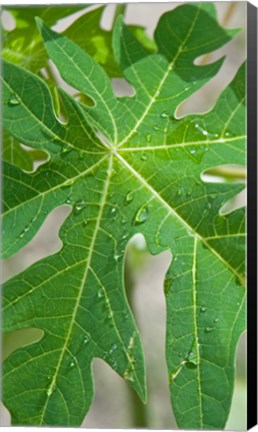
pixel 126 165
pixel 23 46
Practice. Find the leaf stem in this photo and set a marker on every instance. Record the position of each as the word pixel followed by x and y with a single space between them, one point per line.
pixel 230 173
pixel 139 414
pixel 120 10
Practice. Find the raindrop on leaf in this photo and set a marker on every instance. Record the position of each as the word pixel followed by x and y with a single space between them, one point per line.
pixel 129 197
pixel 86 339
pixel 68 183
pixel 144 157
pixel 100 293
pixel 142 214
pixel 209 329
pixel 113 211
pixel 66 149
pixel 13 100
pixel 79 206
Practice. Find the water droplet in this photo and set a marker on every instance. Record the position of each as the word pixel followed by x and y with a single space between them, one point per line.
pixel 216 319
pixel 129 197
pixel 100 293
pixel 112 348
pixel 144 157
pixel 227 134
pixel 156 128
pixel 68 183
pixel 203 309
pixel 209 329
pixel 86 340
pixel 164 115
pixel 180 191
pixel 51 390
pixel 142 214
pixel 192 151
pixel 148 138
pixel 192 356
pixel 85 222
pixel 113 211
pixel 26 228
pixel 72 364
pixel 128 375
pixel 79 206
pixel 66 149
pixel 13 100
pixel 189 191
pixel 116 257
pixel 68 200
pixel 201 129
pixel 124 220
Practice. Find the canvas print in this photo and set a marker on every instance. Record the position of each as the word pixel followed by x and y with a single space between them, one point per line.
pixel 123 235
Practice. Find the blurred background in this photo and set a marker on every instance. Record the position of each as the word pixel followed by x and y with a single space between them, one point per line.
pixel 115 404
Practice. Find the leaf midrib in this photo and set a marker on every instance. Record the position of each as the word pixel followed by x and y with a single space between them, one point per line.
pixel 77 304
pixel 162 82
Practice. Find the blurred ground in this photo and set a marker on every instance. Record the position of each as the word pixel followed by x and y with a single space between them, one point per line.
pixel 111 407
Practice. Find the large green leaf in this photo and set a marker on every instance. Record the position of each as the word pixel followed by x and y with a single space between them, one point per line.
pixel 126 165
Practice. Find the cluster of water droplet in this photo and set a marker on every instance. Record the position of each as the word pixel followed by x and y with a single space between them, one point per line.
pixel 214 322
pixel 27 227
